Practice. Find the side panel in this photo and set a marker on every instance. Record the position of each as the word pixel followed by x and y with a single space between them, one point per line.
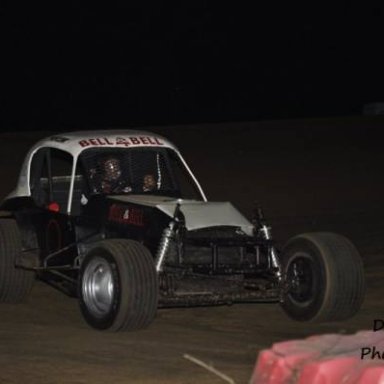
pixel 44 232
pixel 113 219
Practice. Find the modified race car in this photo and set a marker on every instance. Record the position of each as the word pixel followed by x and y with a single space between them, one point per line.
pixel 118 219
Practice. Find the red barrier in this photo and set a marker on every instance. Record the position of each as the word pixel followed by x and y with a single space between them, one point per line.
pixel 331 371
pixel 324 359
pixel 373 374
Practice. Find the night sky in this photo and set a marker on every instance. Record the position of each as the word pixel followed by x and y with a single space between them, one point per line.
pixel 184 62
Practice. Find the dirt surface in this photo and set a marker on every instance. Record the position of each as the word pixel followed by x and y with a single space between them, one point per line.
pixel 308 175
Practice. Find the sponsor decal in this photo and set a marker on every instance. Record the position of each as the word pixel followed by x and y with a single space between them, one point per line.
pixel 126 215
pixel 121 141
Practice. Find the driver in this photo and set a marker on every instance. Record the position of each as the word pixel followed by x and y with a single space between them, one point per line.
pixel 112 181
pixel 149 183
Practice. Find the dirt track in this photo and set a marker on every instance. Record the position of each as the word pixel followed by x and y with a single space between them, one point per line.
pixel 307 175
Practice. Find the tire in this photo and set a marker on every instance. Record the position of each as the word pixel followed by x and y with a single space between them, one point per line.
pixel 15 283
pixel 118 286
pixel 325 277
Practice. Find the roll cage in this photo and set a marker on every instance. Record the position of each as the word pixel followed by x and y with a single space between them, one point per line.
pixel 58 177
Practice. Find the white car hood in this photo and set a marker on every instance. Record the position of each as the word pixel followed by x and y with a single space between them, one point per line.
pixel 198 214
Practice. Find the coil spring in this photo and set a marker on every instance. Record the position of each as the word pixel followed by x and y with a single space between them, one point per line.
pixel 164 245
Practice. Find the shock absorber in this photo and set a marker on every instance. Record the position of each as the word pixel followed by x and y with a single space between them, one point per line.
pixel 167 236
pixel 265 232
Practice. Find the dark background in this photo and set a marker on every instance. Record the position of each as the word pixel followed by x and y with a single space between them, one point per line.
pixel 162 63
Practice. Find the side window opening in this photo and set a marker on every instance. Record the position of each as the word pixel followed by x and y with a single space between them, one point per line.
pixel 39 177
pixel 51 177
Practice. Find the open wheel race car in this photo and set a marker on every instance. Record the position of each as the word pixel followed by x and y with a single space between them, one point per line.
pixel 118 219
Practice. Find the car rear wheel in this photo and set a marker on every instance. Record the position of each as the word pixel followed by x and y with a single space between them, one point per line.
pixel 325 277
pixel 118 286
pixel 15 283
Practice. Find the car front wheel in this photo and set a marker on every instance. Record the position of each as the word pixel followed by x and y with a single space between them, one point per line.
pixel 118 286
pixel 324 277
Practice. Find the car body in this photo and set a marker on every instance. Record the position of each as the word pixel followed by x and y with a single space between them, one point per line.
pixel 117 218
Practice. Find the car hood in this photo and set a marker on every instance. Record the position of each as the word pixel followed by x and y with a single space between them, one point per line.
pixel 198 214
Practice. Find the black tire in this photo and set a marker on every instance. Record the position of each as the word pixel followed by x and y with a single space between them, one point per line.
pixel 15 283
pixel 329 272
pixel 118 286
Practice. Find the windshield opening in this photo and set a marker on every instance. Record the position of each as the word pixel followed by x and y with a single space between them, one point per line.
pixel 157 171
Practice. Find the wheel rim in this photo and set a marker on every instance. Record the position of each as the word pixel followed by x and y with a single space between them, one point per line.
pixel 98 287
pixel 300 275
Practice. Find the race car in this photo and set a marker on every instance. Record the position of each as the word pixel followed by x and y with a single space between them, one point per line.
pixel 118 219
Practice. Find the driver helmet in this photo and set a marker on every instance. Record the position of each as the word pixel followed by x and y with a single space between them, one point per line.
pixel 112 169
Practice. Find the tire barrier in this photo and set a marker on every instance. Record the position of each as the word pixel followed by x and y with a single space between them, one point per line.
pixel 323 359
